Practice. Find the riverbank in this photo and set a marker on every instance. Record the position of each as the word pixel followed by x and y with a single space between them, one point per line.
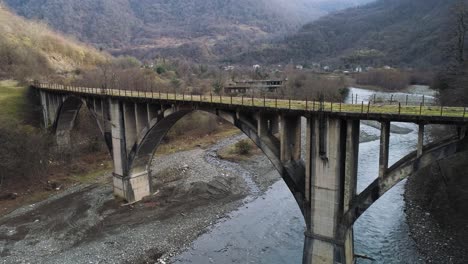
pixel 436 200
pixel 86 224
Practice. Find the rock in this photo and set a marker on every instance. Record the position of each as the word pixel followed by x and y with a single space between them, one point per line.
pixel 8 196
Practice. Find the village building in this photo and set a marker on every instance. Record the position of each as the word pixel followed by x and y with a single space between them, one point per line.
pixel 256 86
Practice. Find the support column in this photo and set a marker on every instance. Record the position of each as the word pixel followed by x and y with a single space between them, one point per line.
pixel 152 114
pixel 384 148
pixel 274 125
pixel 262 125
pixel 327 240
pixel 119 152
pixel 141 118
pixel 130 125
pixel 50 108
pixel 290 138
pixel 45 109
pixel 131 185
pixel 420 140
pixel 107 125
pixel 350 185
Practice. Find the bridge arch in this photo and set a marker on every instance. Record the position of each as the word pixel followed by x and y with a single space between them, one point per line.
pixel 401 170
pixel 325 189
pixel 66 116
pixel 140 158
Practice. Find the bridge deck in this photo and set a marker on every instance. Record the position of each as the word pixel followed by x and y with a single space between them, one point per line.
pixel 394 112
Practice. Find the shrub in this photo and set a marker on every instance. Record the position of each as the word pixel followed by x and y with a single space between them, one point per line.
pixel 313 86
pixel 243 147
pixel 160 69
pixel 217 86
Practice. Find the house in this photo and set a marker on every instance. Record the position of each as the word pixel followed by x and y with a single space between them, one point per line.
pixel 249 86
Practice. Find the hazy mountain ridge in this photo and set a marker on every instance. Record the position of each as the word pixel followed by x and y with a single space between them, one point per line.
pixel 402 32
pixel 197 28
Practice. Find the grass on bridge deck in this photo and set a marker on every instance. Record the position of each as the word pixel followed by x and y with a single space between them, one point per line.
pixel 395 109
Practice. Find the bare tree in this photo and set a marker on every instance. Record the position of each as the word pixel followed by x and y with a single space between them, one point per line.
pixel 461 16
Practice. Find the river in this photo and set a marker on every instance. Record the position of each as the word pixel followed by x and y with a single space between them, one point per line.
pixel 270 228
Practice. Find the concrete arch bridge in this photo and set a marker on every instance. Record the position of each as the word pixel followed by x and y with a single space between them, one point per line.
pixel 323 182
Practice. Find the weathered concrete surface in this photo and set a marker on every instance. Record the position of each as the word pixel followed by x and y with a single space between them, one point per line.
pixel 327 240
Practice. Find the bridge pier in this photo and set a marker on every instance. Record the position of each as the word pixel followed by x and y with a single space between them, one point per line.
pixel 331 175
pixel 127 119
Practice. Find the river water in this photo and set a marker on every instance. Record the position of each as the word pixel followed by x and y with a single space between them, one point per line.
pixel 270 228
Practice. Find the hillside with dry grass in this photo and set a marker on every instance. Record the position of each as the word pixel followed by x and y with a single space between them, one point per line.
pixel 201 30
pixel 30 50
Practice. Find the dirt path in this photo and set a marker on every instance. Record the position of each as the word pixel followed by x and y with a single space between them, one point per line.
pixel 85 224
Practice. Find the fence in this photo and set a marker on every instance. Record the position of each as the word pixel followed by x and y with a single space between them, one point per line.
pixel 395 107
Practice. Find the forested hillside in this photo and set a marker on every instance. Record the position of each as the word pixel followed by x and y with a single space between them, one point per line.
pixel 394 32
pixel 30 50
pixel 197 29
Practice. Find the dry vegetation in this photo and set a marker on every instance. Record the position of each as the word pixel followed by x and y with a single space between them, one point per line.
pixel 30 50
pixel 388 79
pixel 239 151
pixel 31 166
pixel 198 129
pixel 328 87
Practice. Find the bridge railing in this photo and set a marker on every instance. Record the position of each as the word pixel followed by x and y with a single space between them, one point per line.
pixel 369 107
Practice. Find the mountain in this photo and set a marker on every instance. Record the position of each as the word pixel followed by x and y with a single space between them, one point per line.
pixel 31 50
pixel 394 32
pixel 198 29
